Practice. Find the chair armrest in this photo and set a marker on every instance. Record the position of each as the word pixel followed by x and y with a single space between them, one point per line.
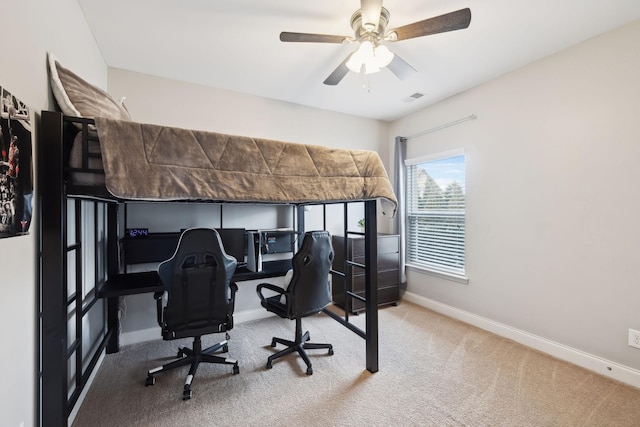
pixel 158 297
pixel 232 304
pixel 232 300
pixel 271 287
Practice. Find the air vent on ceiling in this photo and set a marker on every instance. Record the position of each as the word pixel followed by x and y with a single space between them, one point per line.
pixel 413 97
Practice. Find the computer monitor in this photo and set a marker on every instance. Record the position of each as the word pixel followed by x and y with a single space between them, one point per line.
pixel 234 241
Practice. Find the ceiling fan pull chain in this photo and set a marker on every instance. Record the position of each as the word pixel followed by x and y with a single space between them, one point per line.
pixel 366 82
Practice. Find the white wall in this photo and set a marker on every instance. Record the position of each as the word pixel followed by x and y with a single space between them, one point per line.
pixel 163 101
pixel 552 196
pixel 29 29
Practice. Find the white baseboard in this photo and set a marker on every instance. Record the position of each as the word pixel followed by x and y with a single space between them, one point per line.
pixel 588 361
pixel 249 315
pixel 141 335
pixel 151 334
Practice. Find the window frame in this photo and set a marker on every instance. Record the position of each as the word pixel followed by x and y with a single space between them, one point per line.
pixel 412 264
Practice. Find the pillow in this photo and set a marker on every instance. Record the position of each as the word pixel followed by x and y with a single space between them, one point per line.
pixel 78 98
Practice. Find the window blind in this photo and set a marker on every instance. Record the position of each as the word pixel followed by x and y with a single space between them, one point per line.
pixel 436 213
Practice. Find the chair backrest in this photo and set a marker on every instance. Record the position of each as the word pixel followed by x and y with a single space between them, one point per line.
pixel 197 279
pixel 309 286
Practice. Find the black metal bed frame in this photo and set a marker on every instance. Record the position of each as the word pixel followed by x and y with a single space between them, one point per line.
pixel 63 372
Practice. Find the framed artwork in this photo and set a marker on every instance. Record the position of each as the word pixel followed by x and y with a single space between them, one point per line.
pixel 16 166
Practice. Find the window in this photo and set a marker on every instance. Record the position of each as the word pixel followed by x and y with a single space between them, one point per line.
pixel 436 213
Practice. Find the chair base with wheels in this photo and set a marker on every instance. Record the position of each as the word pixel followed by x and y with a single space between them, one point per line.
pixel 194 356
pixel 300 345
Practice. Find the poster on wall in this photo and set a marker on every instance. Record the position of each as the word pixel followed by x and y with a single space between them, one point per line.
pixel 16 166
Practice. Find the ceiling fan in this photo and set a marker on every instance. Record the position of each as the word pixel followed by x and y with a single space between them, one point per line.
pixel 369 24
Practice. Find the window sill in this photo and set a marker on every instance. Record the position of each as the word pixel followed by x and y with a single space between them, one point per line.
pixel 437 273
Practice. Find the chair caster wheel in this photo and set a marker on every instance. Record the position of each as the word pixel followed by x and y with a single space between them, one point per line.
pixel 225 348
pixel 309 371
pixel 269 365
pixel 186 393
pixel 151 380
pixel 331 351
pixel 273 343
pixel 236 369
pixel 180 353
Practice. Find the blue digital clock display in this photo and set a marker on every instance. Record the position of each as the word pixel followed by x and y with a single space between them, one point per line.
pixel 137 232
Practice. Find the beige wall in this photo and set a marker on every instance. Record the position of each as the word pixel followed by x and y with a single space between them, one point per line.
pixel 552 213
pixel 29 29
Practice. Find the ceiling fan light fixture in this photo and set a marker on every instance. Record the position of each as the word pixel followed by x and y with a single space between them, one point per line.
pixel 371 68
pixel 362 56
pixel 383 56
pixel 369 58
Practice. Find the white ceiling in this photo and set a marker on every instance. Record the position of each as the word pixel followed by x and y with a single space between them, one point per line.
pixel 234 44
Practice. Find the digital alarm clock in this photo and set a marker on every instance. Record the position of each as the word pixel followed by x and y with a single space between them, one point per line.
pixel 137 232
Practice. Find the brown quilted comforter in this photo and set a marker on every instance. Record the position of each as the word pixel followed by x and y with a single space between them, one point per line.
pixel 151 162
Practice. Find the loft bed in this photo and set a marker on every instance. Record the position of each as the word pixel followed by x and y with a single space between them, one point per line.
pixel 88 167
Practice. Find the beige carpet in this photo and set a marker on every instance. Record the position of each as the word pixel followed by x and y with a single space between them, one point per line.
pixel 434 371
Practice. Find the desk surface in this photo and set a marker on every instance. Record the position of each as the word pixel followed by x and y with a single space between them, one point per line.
pixel 148 281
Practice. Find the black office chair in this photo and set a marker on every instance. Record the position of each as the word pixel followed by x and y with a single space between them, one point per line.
pixel 200 300
pixel 307 294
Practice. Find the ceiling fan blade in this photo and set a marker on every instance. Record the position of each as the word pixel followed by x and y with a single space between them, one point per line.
pixel 400 68
pixel 338 74
pixel 440 24
pixel 370 14
pixel 312 38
